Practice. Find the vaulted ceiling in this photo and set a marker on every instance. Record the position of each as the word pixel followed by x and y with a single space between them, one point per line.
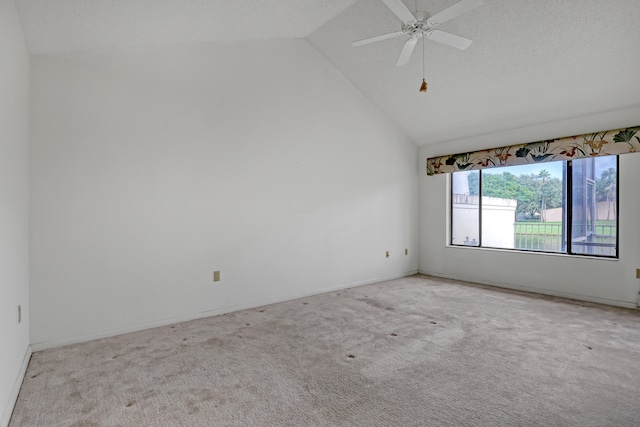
pixel 532 62
pixel 59 26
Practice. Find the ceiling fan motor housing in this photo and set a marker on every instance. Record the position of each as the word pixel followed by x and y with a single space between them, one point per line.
pixel 417 28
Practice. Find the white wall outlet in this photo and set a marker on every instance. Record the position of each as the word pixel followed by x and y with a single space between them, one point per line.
pixel 387 254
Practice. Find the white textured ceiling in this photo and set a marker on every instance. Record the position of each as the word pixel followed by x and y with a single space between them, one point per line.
pixel 532 61
pixel 60 26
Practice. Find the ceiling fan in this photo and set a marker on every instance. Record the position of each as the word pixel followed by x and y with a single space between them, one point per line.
pixel 420 26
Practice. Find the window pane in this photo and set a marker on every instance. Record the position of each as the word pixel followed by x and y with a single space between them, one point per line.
pixel 594 206
pixel 523 207
pixel 465 216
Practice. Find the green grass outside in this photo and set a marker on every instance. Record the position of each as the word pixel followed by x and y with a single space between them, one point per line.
pixel 604 228
pixel 547 236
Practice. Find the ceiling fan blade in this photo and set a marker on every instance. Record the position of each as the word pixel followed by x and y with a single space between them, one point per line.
pixel 449 39
pixel 455 10
pixel 376 38
pixel 407 50
pixel 400 10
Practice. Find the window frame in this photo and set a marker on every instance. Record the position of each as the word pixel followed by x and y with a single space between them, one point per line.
pixel 566 224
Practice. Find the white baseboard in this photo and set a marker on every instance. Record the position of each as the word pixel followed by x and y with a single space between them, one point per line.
pixel 44 345
pixel 550 292
pixel 8 410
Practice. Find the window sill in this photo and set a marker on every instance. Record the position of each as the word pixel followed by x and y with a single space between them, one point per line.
pixel 539 253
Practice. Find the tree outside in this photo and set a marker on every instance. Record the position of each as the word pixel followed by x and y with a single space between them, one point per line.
pixel 606 191
pixel 534 192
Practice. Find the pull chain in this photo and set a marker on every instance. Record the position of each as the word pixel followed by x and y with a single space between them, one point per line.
pixel 423 87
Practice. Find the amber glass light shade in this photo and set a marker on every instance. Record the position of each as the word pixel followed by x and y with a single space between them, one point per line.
pixel 423 88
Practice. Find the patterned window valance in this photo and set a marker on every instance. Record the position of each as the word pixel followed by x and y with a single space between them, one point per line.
pixel 619 141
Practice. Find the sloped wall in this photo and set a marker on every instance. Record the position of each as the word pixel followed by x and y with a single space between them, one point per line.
pixel 152 169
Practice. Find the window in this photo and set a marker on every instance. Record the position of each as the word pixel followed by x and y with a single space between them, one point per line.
pixel 539 207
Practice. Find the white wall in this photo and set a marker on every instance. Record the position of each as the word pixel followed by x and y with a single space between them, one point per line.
pixel 14 219
pixel 152 169
pixel 498 219
pixel 601 280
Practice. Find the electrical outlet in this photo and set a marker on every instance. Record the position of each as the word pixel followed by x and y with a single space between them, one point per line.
pixel 637 273
pixel 387 254
pixel 19 313
pixel 406 251
pixel 216 276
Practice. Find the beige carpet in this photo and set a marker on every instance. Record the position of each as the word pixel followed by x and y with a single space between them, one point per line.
pixel 417 351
